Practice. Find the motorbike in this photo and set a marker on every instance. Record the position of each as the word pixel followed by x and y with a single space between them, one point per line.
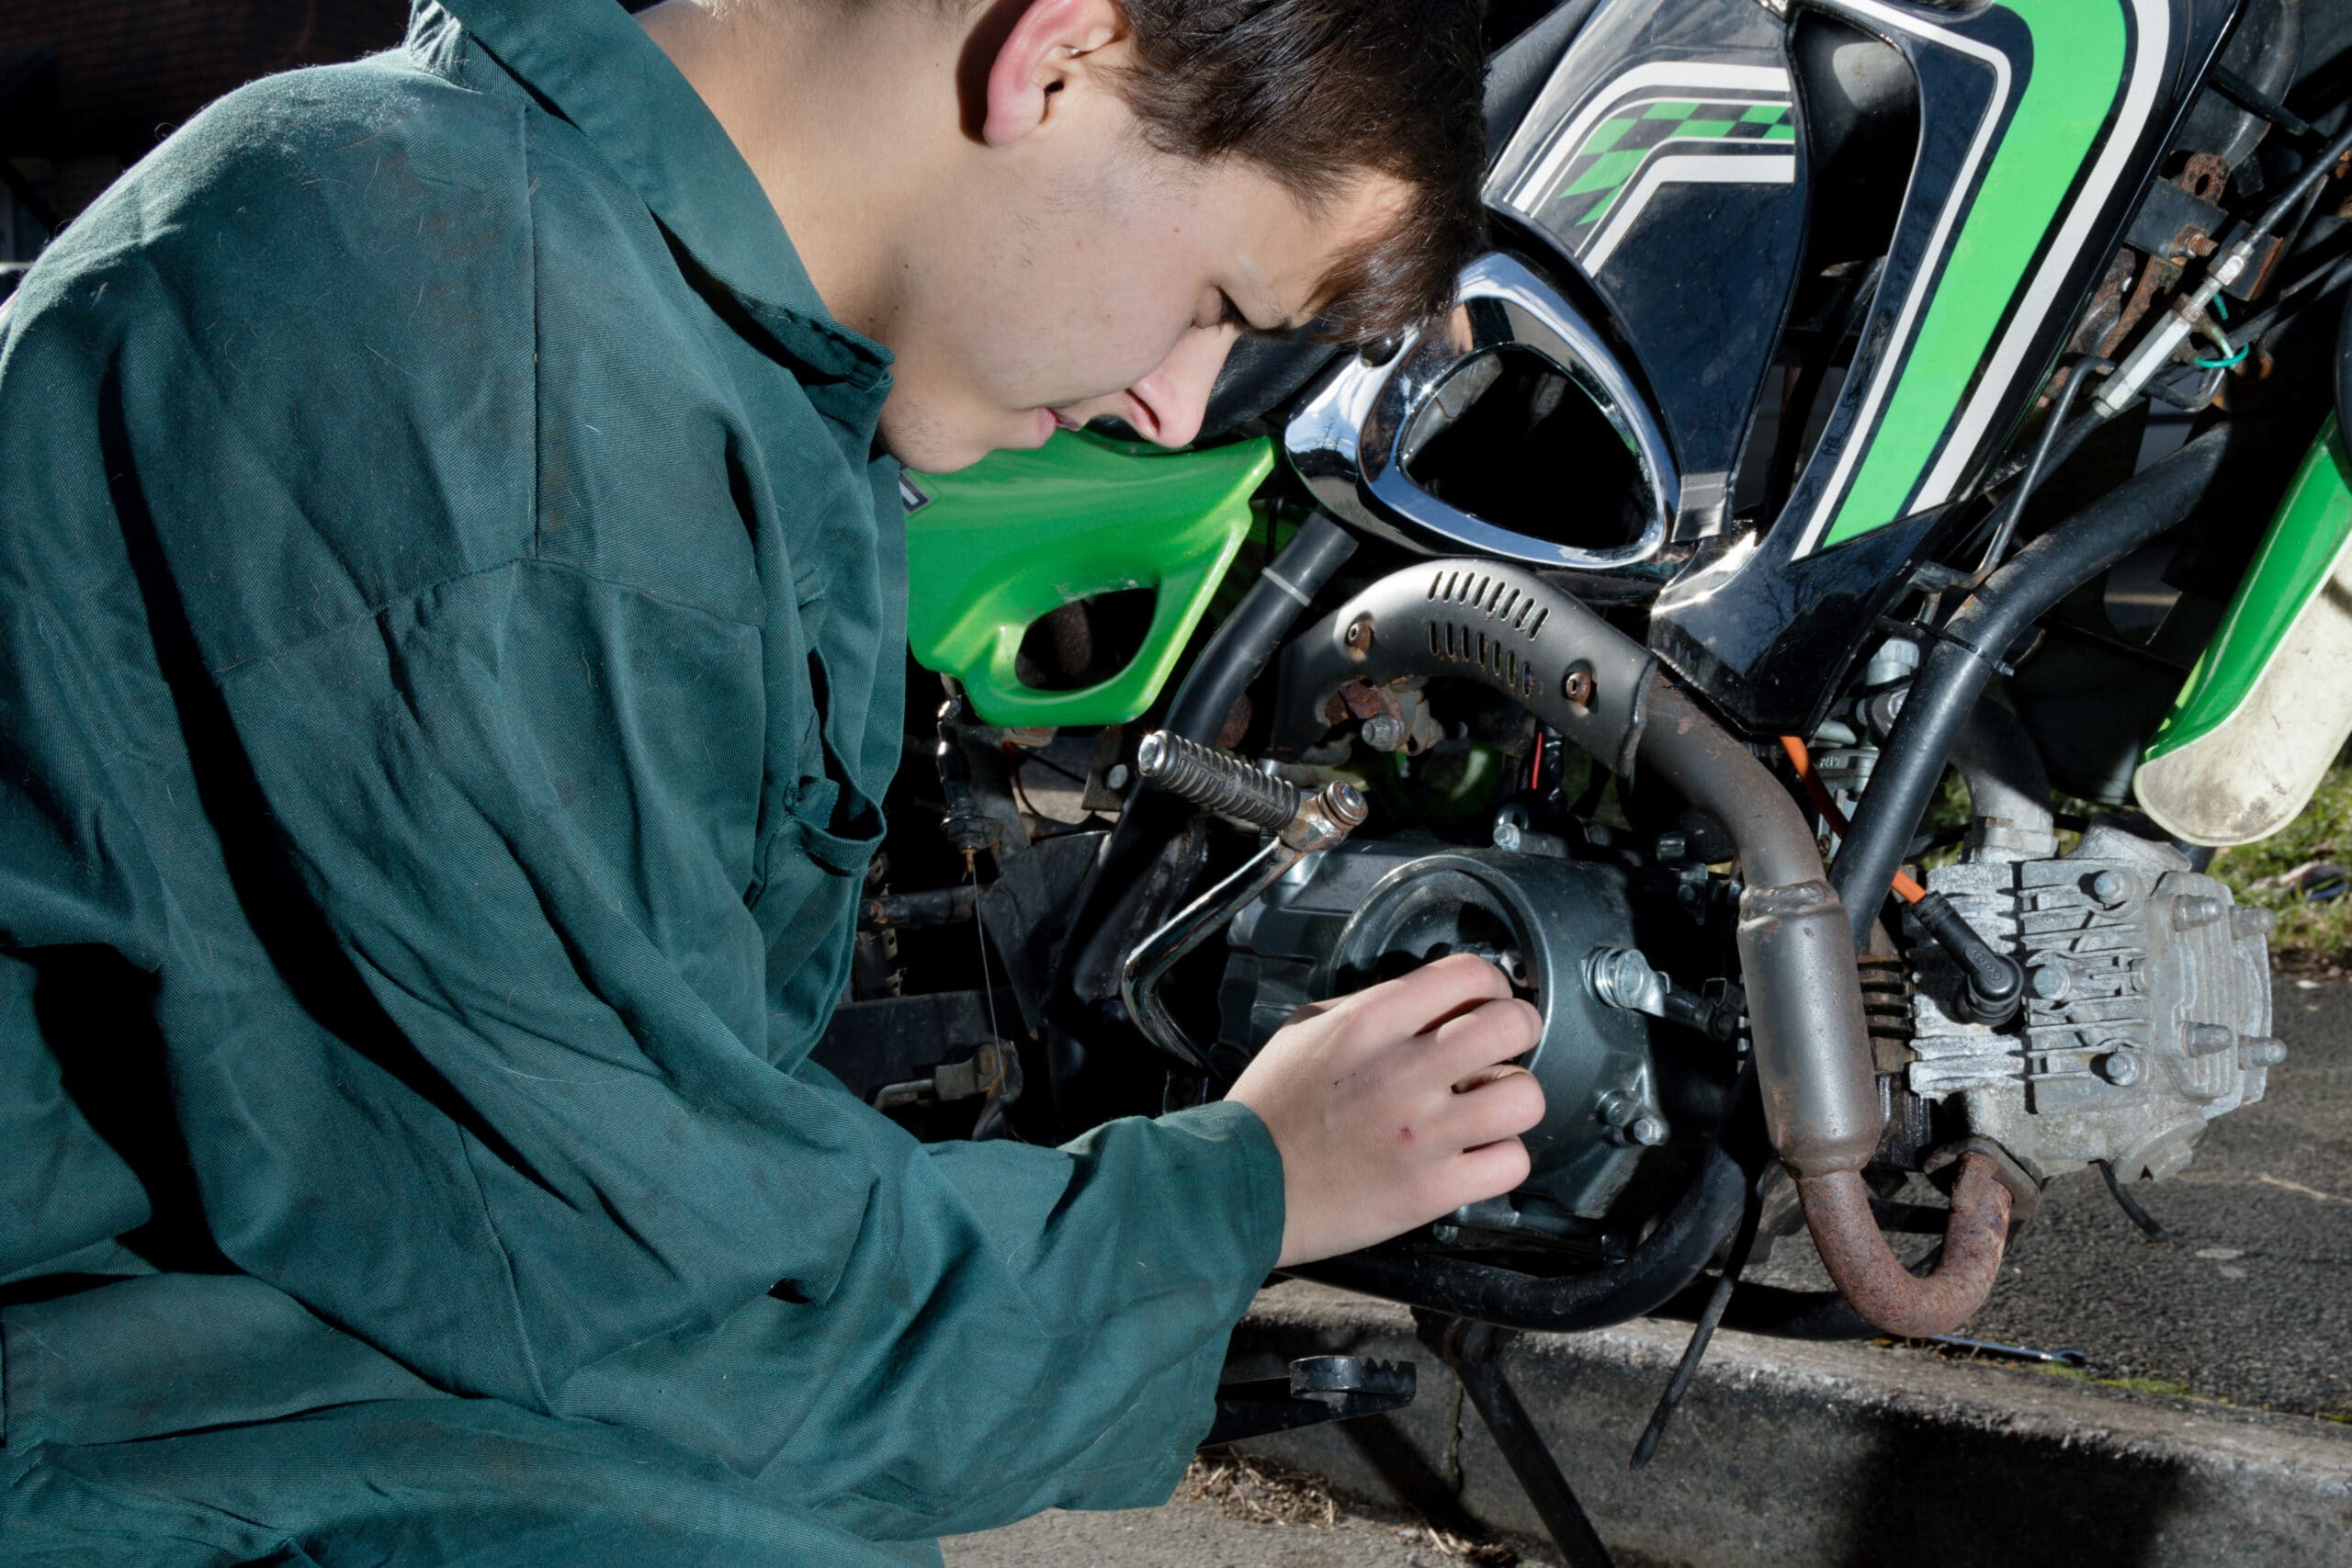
pixel 1864 405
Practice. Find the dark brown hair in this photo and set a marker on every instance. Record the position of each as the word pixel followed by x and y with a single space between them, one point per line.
pixel 1319 92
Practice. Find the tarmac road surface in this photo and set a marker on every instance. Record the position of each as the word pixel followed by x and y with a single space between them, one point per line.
pixel 2251 1302
pixel 2249 1306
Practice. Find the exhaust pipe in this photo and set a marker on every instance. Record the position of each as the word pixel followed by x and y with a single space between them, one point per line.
pixel 1509 628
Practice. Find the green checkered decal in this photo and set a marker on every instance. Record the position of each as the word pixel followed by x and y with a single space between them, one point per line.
pixel 1615 149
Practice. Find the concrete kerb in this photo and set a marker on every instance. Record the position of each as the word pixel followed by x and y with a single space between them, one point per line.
pixel 1825 1455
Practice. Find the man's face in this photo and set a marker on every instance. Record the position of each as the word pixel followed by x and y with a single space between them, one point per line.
pixel 1097 277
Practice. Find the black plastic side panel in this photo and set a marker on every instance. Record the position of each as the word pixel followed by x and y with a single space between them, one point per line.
pixel 1771 625
pixel 1662 160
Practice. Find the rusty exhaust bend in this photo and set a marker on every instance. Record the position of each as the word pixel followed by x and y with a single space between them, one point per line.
pixel 1813 1059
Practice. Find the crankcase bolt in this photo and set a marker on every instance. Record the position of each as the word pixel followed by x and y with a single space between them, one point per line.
pixel 2121 1068
pixel 2111 888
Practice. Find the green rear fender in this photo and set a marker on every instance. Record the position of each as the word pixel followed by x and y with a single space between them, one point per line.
pixel 1021 534
pixel 2269 705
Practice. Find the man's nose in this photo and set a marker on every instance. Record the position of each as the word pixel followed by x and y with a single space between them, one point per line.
pixel 1174 399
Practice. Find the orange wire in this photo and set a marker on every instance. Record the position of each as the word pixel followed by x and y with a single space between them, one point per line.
pixel 1801 759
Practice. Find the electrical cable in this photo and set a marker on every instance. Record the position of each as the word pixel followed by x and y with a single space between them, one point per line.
pixel 2306 183
pixel 1801 759
pixel 2058 430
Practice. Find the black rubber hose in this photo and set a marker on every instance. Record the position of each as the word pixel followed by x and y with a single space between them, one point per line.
pixel 1667 1259
pixel 1239 647
pixel 1967 654
pixel 1233 657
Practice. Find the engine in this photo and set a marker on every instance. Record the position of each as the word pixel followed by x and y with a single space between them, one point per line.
pixel 2146 1013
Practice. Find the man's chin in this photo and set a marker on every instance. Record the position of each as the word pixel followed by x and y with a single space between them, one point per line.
pixel 931 445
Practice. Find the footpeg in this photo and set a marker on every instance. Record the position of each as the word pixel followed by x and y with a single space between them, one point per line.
pixel 1319 1389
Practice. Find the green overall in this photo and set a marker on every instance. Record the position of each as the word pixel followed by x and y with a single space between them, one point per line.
pixel 451 647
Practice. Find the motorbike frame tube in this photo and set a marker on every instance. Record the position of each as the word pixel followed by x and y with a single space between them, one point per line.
pixel 1967 654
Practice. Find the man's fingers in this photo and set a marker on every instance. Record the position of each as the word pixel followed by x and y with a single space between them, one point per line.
pixel 1417 1002
pixel 1499 1108
pixel 1488 1034
pixel 1488 1171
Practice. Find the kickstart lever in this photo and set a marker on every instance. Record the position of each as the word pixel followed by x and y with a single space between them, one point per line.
pixel 1220 781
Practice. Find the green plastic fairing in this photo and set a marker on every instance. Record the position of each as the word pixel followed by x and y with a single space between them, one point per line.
pixel 2080 49
pixel 2298 556
pixel 1022 534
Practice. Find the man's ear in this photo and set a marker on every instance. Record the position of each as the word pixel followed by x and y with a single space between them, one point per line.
pixel 1049 43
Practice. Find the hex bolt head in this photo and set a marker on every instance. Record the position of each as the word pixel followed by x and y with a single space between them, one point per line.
pixel 1647 1131
pixel 1345 803
pixel 1383 732
pixel 2053 982
pixel 1671 846
pixel 2111 888
pixel 1577 686
pixel 2247 920
pixel 2120 1069
pixel 1617 1108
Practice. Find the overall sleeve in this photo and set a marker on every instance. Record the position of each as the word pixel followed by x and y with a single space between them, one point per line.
pixel 452 935
pixel 498 797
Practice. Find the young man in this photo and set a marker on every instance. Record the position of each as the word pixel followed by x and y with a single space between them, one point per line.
pixel 451 587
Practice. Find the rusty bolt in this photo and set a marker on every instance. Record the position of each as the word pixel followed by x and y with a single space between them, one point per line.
pixel 1577 686
pixel 1359 634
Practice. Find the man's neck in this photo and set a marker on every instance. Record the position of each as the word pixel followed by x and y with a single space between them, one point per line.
pixel 831 106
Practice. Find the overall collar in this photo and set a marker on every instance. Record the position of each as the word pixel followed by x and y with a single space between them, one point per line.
pixel 590 63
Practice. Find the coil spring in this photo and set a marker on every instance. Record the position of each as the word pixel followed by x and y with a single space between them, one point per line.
pixel 1216 781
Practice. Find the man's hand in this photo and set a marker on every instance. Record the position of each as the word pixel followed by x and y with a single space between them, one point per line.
pixel 1396 1105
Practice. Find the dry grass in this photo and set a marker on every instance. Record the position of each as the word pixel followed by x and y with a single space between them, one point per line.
pixel 1260 1492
